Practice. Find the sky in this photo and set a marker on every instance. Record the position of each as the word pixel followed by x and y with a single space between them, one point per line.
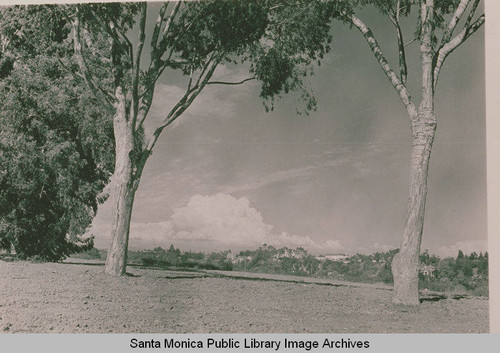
pixel 228 175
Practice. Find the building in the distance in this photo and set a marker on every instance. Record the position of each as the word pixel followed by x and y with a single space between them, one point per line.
pixel 332 257
pixel 427 270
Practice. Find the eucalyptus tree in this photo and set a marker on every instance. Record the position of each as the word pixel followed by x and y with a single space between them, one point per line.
pixel 55 139
pixel 441 27
pixel 277 39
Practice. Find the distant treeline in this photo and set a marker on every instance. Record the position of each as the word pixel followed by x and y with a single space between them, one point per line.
pixel 465 273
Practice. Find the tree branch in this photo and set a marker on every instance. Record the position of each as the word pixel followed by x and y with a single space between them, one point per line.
pixel 128 44
pixel 400 88
pixel 454 43
pixel 410 42
pixel 426 53
pixel 203 70
pixel 183 103
pixel 163 38
pixel 80 58
pixel 156 66
pixel 230 83
pixel 190 82
pixel 118 36
pixel 143 111
pixel 137 67
pixel 75 75
pixel 403 68
pixel 454 21
pixel 5 43
pixel 471 14
pixel 194 92
pixel 158 24
pixel 146 98
pixel 170 62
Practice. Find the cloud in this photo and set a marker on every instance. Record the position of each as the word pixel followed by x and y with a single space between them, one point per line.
pixel 374 248
pixel 218 222
pixel 334 246
pixel 300 175
pixel 271 178
pixel 467 248
pixel 148 235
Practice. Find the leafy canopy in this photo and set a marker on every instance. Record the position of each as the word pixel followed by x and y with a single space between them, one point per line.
pixel 281 40
pixel 56 143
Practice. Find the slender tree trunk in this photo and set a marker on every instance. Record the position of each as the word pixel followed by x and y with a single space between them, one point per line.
pixel 124 189
pixel 405 265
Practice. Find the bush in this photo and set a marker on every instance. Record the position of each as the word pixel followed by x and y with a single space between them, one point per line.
pixel 92 254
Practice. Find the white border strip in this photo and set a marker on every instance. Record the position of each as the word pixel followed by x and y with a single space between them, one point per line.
pixel 493 153
pixel 123 343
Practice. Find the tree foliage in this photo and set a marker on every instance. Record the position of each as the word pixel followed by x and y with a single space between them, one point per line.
pixel 55 139
pixel 298 36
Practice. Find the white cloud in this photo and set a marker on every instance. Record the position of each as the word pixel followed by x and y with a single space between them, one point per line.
pixel 298 174
pixel 271 178
pixel 155 231
pixel 334 246
pixel 370 248
pixel 218 222
pixel 467 248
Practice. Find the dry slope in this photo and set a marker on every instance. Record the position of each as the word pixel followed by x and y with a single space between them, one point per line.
pixel 77 298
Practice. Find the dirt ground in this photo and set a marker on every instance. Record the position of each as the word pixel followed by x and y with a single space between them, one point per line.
pixel 80 298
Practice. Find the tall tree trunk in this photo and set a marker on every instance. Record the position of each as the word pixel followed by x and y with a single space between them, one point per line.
pixel 124 189
pixel 405 265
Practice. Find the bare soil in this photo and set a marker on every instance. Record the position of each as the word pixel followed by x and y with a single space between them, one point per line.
pixel 80 298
